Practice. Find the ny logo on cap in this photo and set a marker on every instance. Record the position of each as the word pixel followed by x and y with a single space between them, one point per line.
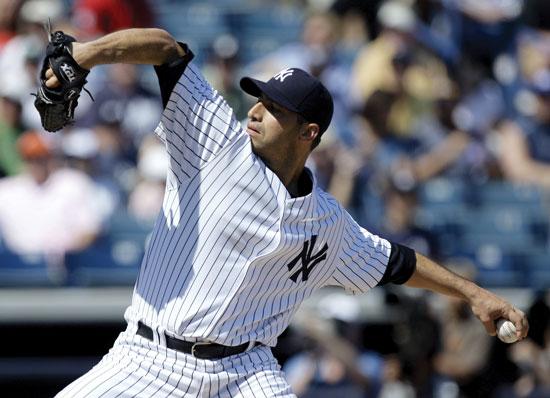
pixel 282 75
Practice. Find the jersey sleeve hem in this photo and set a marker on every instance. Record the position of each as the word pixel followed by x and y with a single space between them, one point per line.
pixel 401 265
pixel 169 73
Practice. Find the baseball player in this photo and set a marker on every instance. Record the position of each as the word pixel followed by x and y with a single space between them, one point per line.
pixel 243 237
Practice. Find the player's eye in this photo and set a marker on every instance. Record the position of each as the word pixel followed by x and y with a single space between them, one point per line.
pixel 272 108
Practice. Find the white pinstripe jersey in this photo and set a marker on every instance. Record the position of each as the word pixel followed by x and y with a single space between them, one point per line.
pixel 232 254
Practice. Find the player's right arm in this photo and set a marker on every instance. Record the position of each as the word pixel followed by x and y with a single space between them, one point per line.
pixel 487 306
pixel 132 46
pixel 368 260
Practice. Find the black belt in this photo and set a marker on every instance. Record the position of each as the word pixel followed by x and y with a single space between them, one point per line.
pixel 199 349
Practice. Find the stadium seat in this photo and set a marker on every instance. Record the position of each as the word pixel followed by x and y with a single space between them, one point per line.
pixel 106 263
pixel 124 227
pixel 504 193
pixel 496 267
pixel 536 267
pixel 442 191
pixel 280 21
pixel 198 24
pixel 260 33
pixel 441 204
pixel 506 227
pixel 24 271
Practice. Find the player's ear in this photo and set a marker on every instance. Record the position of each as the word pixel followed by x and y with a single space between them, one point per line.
pixel 309 132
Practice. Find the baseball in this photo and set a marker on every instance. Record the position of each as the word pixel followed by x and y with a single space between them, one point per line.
pixel 506 331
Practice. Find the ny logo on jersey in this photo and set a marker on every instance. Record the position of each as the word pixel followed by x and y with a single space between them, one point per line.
pixel 282 75
pixel 308 260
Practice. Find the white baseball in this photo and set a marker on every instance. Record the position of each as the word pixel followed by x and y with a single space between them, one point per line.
pixel 506 331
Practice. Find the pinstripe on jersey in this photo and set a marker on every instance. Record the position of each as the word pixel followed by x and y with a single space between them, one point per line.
pixel 217 265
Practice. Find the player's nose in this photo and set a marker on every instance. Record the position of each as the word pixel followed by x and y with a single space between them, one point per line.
pixel 255 113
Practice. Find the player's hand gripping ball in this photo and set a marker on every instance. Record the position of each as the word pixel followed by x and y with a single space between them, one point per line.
pixel 506 331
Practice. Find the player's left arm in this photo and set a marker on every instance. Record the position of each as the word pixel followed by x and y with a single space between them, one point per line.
pixel 487 306
pixel 149 46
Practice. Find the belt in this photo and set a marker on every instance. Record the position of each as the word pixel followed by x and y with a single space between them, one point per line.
pixel 201 350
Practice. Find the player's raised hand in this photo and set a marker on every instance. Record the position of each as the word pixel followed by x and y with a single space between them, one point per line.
pixel 488 307
pixel 78 53
pixel 51 80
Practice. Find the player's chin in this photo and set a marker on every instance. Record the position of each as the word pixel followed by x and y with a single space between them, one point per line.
pixel 255 137
pixel 257 146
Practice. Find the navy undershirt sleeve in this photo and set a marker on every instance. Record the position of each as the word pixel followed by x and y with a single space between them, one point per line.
pixel 401 265
pixel 169 73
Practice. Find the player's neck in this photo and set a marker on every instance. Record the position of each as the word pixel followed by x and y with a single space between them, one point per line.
pixel 289 167
pixel 295 179
pixel 301 186
pixel 292 178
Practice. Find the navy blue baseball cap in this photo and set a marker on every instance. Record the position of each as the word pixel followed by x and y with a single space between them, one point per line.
pixel 298 91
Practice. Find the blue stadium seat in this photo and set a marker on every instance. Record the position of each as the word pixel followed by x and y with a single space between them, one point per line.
pixel 442 203
pixel 500 220
pixel 496 267
pixel 106 263
pixel 260 32
pixel 283 22
pixel 196 23
pixel 536 266
pixel 504 193
pixel 124 227
pixel 442 191
pixel 506 227
pixel 24 271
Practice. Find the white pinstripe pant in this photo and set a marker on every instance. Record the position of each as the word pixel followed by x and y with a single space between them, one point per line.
pixel 137 367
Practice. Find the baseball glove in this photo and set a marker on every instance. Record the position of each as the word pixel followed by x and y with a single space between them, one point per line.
pixel 56 105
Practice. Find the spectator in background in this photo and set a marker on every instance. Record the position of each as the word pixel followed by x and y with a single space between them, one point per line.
pixel 375 68
pixel 523 149
pixel 122 101
pixel 317 54
pixel 407 98
pixel 524 145
pixel 8 20
pixel 20 56
pixel 222 70
pixel 398 221
pixel 335 365
pixel 465 345
pixel 418 336
pixel 10 129
pixel 145 200
pixel 394 385
pixel 81 150
pixel 532 355
pixel 354 29
pixel 46 209
pixel 483 29
pixel 97 17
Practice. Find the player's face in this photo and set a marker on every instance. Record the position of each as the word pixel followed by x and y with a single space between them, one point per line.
pixel 273 130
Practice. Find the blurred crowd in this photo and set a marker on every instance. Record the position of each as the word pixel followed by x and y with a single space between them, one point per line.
pixel 425 91
pixel 433 348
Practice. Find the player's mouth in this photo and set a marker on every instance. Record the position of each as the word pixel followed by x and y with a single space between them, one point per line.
pixel 251 130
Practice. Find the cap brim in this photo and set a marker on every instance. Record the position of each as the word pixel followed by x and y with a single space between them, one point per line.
pixel 256 88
